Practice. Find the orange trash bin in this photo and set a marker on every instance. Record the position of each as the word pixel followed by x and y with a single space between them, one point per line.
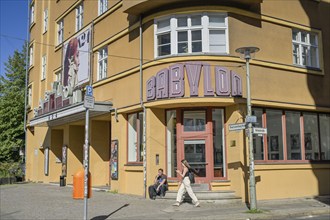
pixel 78 185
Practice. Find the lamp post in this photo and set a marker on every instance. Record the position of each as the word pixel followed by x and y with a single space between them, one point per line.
pixel 246 52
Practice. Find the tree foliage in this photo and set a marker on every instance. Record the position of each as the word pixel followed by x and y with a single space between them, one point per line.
pixel 12 95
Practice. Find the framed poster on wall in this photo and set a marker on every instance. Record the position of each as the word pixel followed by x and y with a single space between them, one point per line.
pixel 64 159
pixel 114 160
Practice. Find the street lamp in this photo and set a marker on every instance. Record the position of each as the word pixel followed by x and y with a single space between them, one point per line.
pixel 246 53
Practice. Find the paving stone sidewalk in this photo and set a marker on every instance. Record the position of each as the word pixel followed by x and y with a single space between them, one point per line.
pixel 45 201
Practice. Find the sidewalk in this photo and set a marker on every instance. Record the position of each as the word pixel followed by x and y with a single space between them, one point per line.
pixel 44 201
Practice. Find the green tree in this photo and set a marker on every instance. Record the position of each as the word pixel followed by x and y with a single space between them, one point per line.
pixel 12 95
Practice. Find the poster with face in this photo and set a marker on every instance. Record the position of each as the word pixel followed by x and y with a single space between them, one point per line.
pixel 76 59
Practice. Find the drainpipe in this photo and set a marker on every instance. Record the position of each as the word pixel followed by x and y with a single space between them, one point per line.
pixel 144 114
pixel 26 77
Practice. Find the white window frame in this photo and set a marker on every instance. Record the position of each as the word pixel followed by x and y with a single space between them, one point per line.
pixel 103 6
pixel 43 67
pixel 301 44
pixel 45 20
pixel 31 55
pixel 102 63
pixel 60 31
pixel 58 76
pixel 204 27
pixel 79 17
pixel 32 14
pixel 29 96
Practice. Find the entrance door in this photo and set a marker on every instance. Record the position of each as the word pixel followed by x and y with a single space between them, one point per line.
pixel 198 136
pixel 197 154
pixel 195 143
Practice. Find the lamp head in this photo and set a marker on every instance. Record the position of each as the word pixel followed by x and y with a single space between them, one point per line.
pixel 247 52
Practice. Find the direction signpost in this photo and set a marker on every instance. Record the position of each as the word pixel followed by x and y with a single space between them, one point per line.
pixel 237 127
pixel 259 130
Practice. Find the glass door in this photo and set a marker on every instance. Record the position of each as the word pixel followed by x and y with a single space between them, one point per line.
pixel 194 153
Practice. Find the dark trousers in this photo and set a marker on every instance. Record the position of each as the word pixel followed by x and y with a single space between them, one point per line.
pixel 153 191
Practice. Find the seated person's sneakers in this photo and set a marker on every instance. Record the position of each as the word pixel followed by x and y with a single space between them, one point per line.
pixel 197 204
pixel 176 204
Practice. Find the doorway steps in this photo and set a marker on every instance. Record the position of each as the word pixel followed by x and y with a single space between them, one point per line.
pixel 203 193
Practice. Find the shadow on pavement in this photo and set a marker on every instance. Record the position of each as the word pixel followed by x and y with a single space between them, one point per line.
pixel 323 199
pixel 103 217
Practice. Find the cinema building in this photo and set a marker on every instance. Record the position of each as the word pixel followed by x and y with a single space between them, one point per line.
pixel 169 85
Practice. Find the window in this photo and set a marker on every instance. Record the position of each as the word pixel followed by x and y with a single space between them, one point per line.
pixel 103 6
pixel 102 63
pixel 29 97
pixel 79 17
pixel 58 76
pixel 305 48
pixel 60 29
pixel 311 139
pixel 324 120
pixel 304 132
pixel 31 56
pixel 274 134
pixel 45 20
pixel 171 143
pixel 194 120
pixel 43 67
pixel 32 14
pixel 293 135
pixel 258 145
pixel 207 33
pixel 218 142
pixel 135 137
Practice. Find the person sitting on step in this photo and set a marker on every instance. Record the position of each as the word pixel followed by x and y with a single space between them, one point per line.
pixel 160 185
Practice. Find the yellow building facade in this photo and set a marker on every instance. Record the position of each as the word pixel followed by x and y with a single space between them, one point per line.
pixel 169 85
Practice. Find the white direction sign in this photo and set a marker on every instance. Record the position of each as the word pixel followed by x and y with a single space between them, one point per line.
pixel 89 101
pixel 236 127
pixel 259 130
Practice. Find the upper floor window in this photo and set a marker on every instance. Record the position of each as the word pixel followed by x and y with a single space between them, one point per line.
pixel 79 17
pixel 31 55
pixel 305 48
pixel 103 6
pixel 102 63
pixel 43 67
pixel 58 76
pixel 32 14
pixel 196 33
pixel 45 20
pixel 29 97
pixel 60 30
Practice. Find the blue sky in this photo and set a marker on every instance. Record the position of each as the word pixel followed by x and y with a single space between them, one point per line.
pixel 13 23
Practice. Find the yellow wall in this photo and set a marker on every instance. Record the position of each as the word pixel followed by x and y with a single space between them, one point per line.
pixel 289 181
pixel 76 142
pixel 55 152
pixel 99 153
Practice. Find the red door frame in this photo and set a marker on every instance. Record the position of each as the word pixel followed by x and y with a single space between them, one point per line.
pixel 206 135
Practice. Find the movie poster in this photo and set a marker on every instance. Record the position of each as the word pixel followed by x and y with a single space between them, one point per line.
pixel 64 160
pixel 76 59
pixel 114 160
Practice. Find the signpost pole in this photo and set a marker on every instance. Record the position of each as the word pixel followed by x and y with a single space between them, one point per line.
pixel 86 162
pixel 247 52
pixel 88 103
pixel 253 196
